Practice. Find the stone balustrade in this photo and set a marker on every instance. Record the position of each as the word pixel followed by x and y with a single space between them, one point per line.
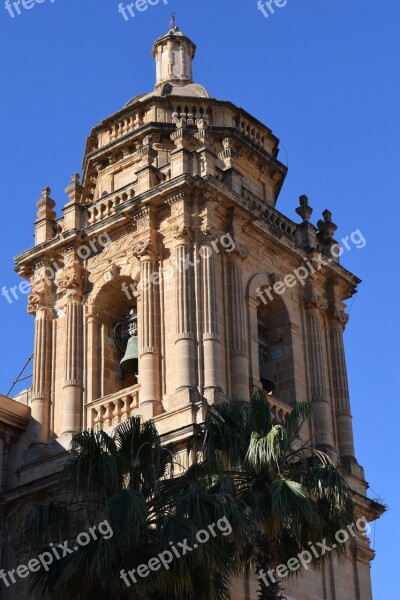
pixel 270 215
pixel 254 134
pixel 279 410
pixel 282 224
pixel 110 411
pixel 108 205
pixel 121 127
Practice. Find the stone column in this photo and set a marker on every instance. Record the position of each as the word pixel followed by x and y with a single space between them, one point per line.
pixel 41 383
pixel 322 414
pixel 149 359
pixel 340 386
pixel 212 349
pixel 93 342
pixel 239 359
pixel 72 398
pixel 185 329
pixel 68 281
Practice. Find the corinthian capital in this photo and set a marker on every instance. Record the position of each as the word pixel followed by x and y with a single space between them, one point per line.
pixel 68 278
pixel 35 303
pixel 142 248
pixel 312 299
pixel 183 232
pixel 340 318
pixel 240 251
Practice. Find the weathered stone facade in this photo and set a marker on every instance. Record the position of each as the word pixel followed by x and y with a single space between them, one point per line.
pixel 183 188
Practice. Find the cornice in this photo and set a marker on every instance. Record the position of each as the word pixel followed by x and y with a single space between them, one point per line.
pixel 14 414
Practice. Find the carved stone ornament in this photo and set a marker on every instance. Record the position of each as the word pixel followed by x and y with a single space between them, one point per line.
pixel 183 232
pixel 341 318
pixel 142 248
pixel 66 281
pixel 240 250
pixel 34 303
pixel 210 232
pixel 111 273
pixel 314 300
pixel 70 277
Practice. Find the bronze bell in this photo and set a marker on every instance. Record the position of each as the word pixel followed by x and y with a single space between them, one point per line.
pixel 129 362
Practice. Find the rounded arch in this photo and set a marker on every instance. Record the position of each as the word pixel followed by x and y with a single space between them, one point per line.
pixel 262 281
pixel 271 350
pixel 125 272
pixel 112 296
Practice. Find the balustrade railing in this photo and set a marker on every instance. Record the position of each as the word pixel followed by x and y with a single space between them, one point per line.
pixel 279 410
pixel 110 411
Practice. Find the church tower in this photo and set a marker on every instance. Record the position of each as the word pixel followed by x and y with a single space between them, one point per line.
pixel 172 282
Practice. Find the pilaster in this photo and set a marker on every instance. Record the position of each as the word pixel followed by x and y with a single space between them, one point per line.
pixel 211 344
pixel 186 379
pixel 322 414
pixel 238 344
pixel 69 287
pixel 40 305
pixel 149 359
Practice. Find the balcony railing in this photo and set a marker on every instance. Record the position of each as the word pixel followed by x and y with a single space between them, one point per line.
pixel 280 410
pixel 110 411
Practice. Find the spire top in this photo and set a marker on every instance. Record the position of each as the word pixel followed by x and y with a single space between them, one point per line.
pixel 172 22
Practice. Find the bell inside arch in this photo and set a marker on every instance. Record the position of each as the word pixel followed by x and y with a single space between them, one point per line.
pixel 129 362
pixel 126 340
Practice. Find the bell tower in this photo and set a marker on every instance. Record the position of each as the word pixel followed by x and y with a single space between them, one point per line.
pixel 169 284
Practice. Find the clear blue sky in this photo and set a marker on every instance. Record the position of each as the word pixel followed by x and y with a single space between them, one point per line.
pixel 324 76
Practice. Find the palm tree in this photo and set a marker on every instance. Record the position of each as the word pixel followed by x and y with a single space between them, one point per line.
pixel 295 494
pixel 127 480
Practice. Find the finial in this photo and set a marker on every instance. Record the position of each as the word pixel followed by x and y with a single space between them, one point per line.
pixel 46 192
pixel 326 227
pixel 74 190
pixel 304 210
pixel 45 204
pixel 172 22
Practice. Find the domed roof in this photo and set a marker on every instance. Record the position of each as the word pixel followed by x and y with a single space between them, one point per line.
pixel 173 31
pixel 191 90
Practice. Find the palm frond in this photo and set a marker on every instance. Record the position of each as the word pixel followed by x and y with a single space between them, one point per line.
pixel 300 413
pixel 44 524
pixel 268 449
pixel 93 470
pixel 261 413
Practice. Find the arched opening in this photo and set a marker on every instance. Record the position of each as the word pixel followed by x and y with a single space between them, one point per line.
pixel 117 336
pixel 275 350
